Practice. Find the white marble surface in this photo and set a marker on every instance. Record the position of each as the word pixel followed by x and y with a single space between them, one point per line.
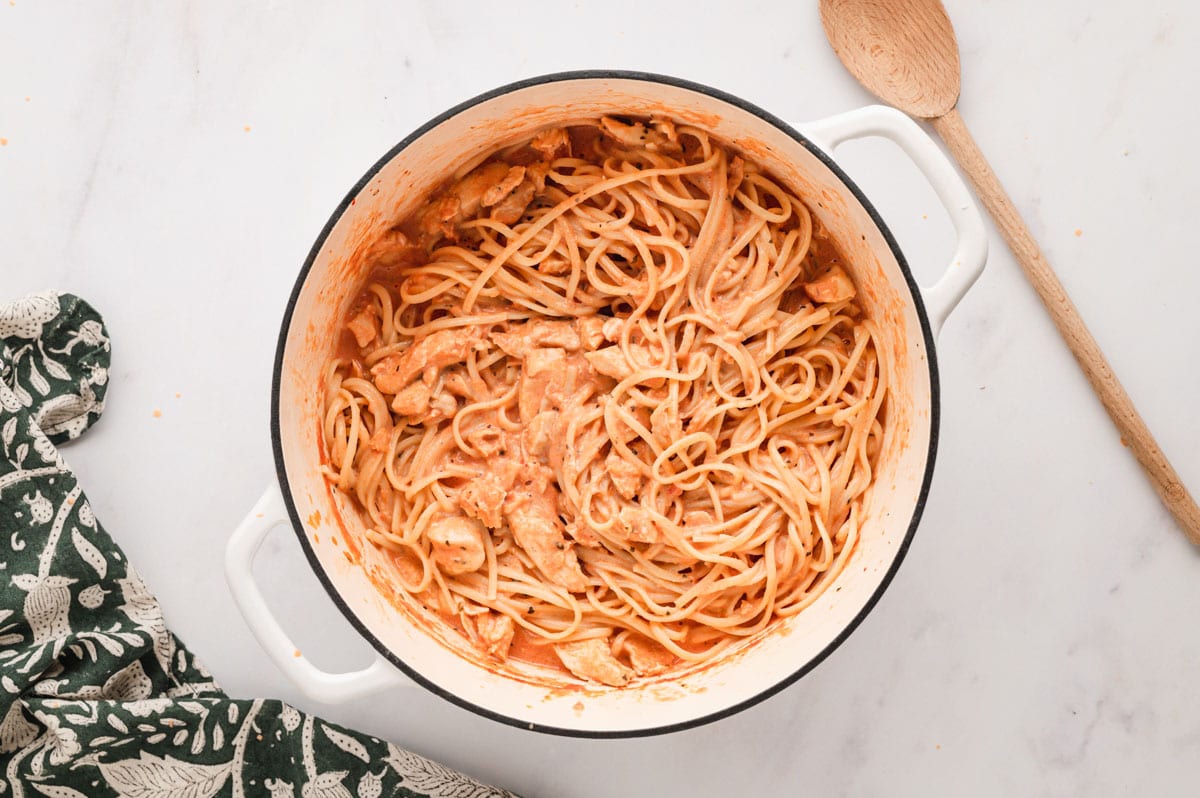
pixel 173 162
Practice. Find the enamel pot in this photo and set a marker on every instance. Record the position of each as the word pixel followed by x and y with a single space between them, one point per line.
pixel 909 317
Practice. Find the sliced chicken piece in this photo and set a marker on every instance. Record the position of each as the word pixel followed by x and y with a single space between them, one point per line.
pixel 555 333
pixel 510 209
pixel 364 326
pixel 522 339
pixel 831 285
pixel 497 632
pixel 505 469
pixel 698 519
pixel 554 264
pixel 544 360
pixel 734 178
pixel 647 656
pixel 612 328
pixel 532 514
pixel 510 559
pixel 582 533
pixel 541 433
pixel 536 172
pixel 540 534
pixel 553 143
pixel 625 476
pixel 487 438
pixel 625 433
pixel 646 353
pixel 636 135
pixel 552 382
pixel 592 659
pixel 637 525
pixel 457 544
pixel 390 249
pixel 379 441
pixel 430 354
pixel 611 362
pixel 591 331
pixel 665 424
pixel 507 184
pixel 581 382
pixel 441 407
pixel 456 382
pixel 666 127
pixel 483 498
pixel 439 216
pixel 543 369
pixel 413 400
pixel 474 188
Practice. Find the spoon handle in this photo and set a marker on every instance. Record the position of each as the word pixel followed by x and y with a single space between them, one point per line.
pixel 1080 341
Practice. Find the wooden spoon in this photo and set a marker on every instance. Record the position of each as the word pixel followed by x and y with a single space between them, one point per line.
pixel 904 51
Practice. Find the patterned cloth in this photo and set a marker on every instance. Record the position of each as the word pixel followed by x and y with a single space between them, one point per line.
pixel 97 697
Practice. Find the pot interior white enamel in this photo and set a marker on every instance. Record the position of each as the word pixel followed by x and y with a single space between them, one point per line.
pixel 529 697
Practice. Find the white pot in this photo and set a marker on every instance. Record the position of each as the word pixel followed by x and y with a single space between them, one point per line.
pixel 908 318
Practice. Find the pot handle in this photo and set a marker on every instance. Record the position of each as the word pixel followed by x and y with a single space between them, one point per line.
pixel 330 688
pixel 970 254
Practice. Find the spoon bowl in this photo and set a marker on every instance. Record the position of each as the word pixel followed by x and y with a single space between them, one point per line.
pixel 903 51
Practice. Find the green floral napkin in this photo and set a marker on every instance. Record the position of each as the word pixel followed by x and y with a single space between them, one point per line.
pixel 97 696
